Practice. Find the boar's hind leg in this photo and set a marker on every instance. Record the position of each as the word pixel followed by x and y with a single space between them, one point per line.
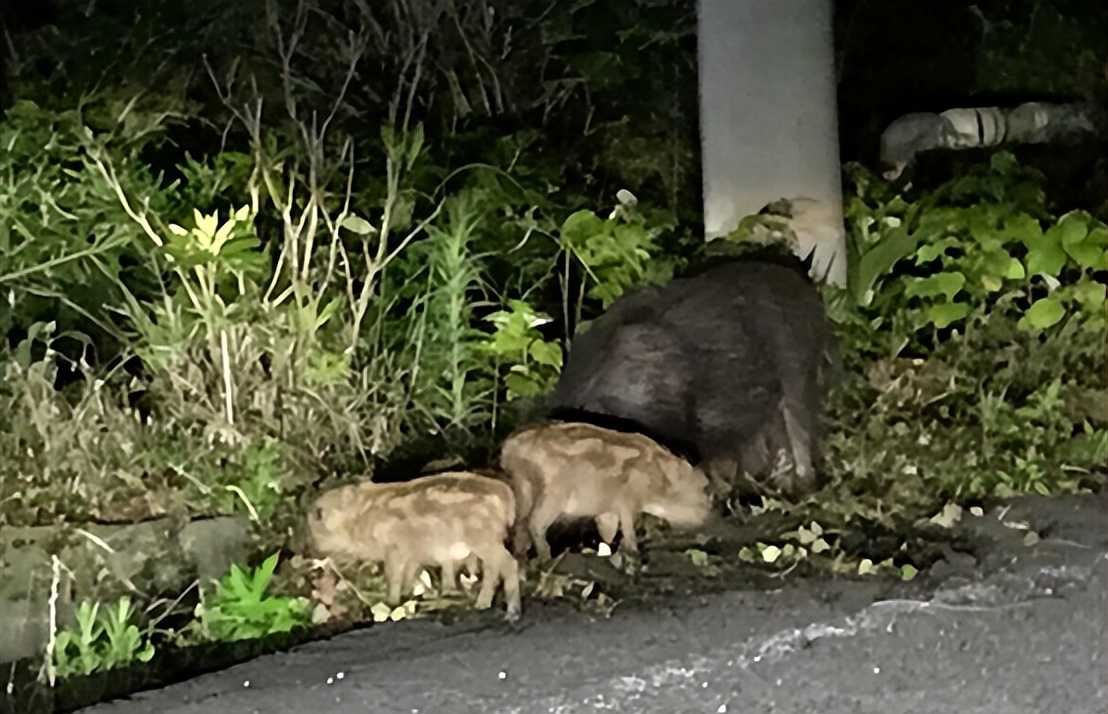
pixel 499 565
pixel 489 581
pixel 449 577
pixel 510 572
pixel 525 500
pixel 542 516
pixel 492 571
pixel 521 538
pixel 450 574
pixel 472 564
pixel 799 429
pixel 607 524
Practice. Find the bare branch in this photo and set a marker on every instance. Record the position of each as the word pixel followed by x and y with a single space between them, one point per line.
pixel 286 53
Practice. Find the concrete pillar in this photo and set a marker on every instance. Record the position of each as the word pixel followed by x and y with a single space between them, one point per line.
pixel 768 121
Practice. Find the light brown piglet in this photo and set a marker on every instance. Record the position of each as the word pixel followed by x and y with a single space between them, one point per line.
pixel 572 469
pixel 443 520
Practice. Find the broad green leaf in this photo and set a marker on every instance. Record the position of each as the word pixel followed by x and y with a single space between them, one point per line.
pixel 580 226
pixel 1072 228
pixel 942 314
pixel 927 253
pixel 1047 258
pixel 1024 228
pixel 698 557
pixel 1087 255
pixel 237 583
pixel 771 553
pixel 1098 236
pixel 1045 313
pixel 945 283
pixel 1088 294
pixel 546 353
pixel 1015 270
pixel 983 221
pixel 357 224
pixel 996 261
pixel 146 653
pixel 521 385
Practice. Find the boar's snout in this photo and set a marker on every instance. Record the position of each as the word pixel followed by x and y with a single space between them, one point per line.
pixel 686 502
pixel 687 514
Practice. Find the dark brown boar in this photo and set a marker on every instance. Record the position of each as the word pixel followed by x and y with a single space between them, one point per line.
pixel 728 368
pixel 582 470
pixel 446 520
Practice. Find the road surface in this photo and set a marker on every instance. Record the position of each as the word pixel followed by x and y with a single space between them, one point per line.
pixel 1019 626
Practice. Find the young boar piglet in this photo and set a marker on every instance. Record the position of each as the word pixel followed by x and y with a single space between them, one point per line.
pixel 445 520
pixel 580 470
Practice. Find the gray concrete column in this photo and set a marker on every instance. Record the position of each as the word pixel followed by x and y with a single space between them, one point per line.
pixel 768 121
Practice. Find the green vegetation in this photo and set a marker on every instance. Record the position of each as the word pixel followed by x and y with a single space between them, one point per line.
pixel 241 609
pixel 238 607
pixel 103 639
pixel 285 248
pixel 973 328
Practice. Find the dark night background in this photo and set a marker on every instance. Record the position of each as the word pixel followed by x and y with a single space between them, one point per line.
pixel 892 57
pixel 534 114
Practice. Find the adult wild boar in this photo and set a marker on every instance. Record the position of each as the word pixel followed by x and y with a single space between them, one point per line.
pixel 726 367
pixel 446 520
pixel 582 470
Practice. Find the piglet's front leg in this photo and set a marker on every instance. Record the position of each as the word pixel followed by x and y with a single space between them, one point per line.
pixel 394 576
pixel 607 525
pixel 630 543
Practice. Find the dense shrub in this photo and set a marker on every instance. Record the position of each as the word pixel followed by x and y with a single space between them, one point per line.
pixel 973 329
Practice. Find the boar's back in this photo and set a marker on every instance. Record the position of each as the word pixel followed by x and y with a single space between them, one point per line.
pixel 631 377
pixel 699 364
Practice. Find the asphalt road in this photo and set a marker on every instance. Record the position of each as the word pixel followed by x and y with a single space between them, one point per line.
pixel 1016 627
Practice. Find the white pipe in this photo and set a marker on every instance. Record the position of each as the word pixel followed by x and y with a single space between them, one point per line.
pixel 1030 123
